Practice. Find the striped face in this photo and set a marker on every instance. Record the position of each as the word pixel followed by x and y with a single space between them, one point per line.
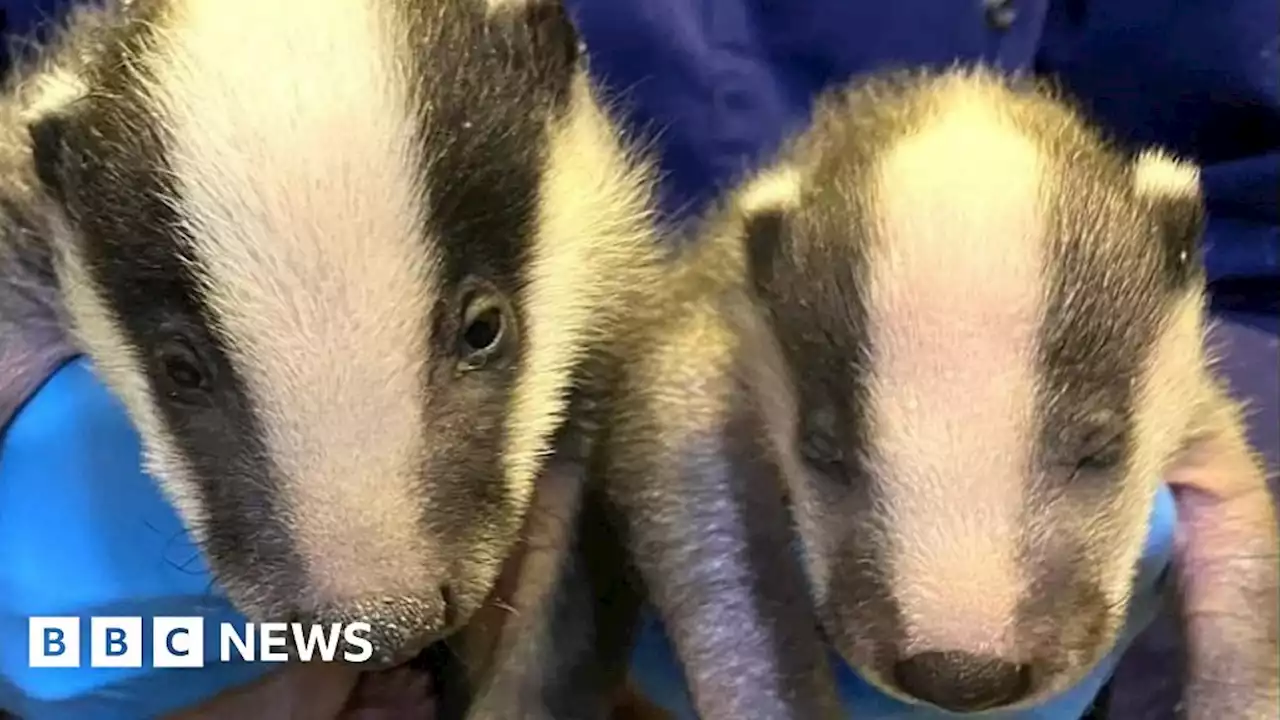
pixel 994 323
pixel 306 248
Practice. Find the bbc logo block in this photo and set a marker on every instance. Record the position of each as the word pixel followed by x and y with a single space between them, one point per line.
pixel 115 642
pixel 176 642
pixel 53 642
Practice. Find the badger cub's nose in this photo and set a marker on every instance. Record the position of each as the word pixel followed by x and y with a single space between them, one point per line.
pixel 962 682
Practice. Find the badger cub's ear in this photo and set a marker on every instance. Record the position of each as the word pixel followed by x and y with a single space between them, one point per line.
pixel 765 205
pixel 49 150
pixel 1170 191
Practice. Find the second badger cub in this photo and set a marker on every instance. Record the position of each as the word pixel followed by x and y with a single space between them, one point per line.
pixel 994 326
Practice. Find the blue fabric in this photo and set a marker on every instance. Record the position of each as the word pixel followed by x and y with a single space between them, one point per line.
pixel 83 531
pixel 24 18
pixel 657 674
pixel 720 83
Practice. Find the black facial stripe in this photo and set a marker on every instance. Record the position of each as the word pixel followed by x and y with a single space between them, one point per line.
pixel 1108 291
pixel 486 97
pixel 488 87
pixel 1062 608
pixel 122 197
pixel 811 268
pixel 860 581
pixel 763 236
pixel 1178 224
pixel 1106 301
pixel 823 320
pixel 487 93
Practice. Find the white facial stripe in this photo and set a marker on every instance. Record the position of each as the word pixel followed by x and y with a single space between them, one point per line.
pixel 1173 381
pixel 954 304
pixel 294 145
pixel 594 222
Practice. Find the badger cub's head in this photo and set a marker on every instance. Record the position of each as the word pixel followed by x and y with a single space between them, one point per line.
pixel 993 320
pixel 300 244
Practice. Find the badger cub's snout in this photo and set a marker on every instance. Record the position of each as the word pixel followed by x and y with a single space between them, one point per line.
pixel 961 681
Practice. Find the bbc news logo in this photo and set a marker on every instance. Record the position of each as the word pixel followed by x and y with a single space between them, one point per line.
pixel 179 642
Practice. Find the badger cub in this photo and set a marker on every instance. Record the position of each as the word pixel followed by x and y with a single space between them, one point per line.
pixel 299 288
pixel 994 322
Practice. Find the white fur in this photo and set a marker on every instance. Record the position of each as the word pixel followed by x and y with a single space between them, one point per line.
pixel 955 299
pixel 1158 174
pixel 1174 377
pixel 1172 384
pixel 294 146
pixel 777 189
pixel 593 225
pixel 501 6
pixel 54 89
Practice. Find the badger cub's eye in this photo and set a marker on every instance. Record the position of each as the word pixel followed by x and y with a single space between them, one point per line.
pixel 818 444
pixel 1104 452
pixel 181 367
pixel 1103 460
pixel 821 453
pixel 487 328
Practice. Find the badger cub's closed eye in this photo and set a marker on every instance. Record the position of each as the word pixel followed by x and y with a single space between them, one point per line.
pixel 823 454
pixel 181 368
pixel 1101 461
pixel 1103 452
pixel 487 329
